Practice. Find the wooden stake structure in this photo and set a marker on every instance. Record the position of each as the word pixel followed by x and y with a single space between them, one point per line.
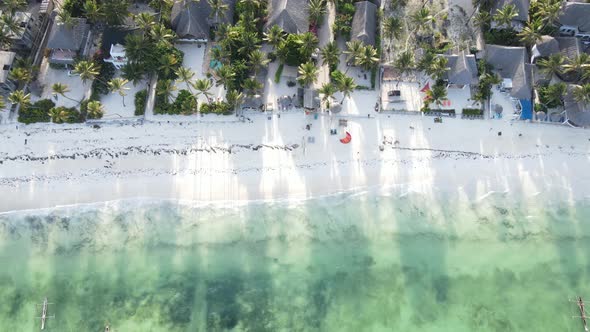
pixel 580 303
pixel 44 315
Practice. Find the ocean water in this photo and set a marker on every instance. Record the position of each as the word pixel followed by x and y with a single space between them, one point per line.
pixel 354 262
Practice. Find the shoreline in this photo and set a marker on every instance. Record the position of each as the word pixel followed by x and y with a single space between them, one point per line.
pixel 269 160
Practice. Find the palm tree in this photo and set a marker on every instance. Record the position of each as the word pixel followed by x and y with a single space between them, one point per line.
pixel 330 54
pixel 218 8
pixel 11 24
pixel 159 32
pixel 219 54
pixel 317 10
pixel 87 70
pixel 438 67
pixel 345 85
pixel 552 65
pixel 577 65
pixel 203 86
pixel 168 64
pixel 249 42
pixel 224 76
pixel 61 89
pixel 251 86
pixel 549 11
pixel 274 36
pixel 257 60
pixel 483 19
pixel 133 71
pixel 5 40
pixel 13 6
pixel 94 110
pixel 505 15
pixel 93 11
pixel 308 42
pixel 21 75
pixel 185 75
pixel 422 18
pixel 145 21
pixel 19 97
pixel 164 89
pixel 64 17
pixel 234 98
pixel 392 27
pixel 532 32
pixel 581 94
pixel 554 93
pixel 308 73
pixel 136 48
pixel 354 49
pixel 437 94
pixel 368 58
pixel 58 115
pixel 405 62
pixel 118 85
pixel 328 90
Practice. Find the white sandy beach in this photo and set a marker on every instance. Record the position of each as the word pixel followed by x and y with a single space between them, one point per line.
pixel 221 159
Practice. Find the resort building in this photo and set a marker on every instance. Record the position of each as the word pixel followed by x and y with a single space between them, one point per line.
pixel 461 79
pixel 364 22
pixel 522 8
pixel 291 15
pixel 510 64
pixel 66 42
pixel 7 85
pixel 574 20
pixel 576 113
pixel 192 21
pixel 23 38
pixel 113 46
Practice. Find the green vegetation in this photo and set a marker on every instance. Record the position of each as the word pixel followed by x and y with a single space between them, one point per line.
pixel 140 102
pixel 278 73
pixel 552 95
pixel 106 72
pixel 37 112
pixel 344 14
pixel 472 111
pixel 217 107
pixel 63 114
pixel 185 103
pixel 487 78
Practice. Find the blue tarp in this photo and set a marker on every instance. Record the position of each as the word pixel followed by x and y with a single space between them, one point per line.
pixel 527 109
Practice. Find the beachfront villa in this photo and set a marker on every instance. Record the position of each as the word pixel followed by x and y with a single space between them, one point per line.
pixel 522 10
pixel 510 63
pixel 7 84
pixel 113 45
pixel 192 21
pixel 291 15
pixel 364 22
pixel 68 41
pixel 574 20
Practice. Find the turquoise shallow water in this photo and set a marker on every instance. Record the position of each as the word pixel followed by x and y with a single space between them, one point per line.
pixel 346 263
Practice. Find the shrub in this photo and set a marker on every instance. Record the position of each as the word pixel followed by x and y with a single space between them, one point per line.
pixel 217 107
pixel 373 76
pixel 38 112
pixel 472 111
pixel 185 103
pixel 72 114
pixel 505 37
pixel 291 84
pixel 140 101
pixel 278 73
pixel 105 74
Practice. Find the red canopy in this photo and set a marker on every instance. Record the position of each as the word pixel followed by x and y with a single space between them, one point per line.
pixel 346 139
pixel 426 87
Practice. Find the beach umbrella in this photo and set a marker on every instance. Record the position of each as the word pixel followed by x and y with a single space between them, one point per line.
pixel 498 108
pixel 541 116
